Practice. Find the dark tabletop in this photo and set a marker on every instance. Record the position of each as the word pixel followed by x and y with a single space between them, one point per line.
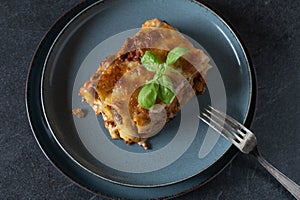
pixel 270 30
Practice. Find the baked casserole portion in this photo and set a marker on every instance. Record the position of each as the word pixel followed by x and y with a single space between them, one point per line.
pixel 113 90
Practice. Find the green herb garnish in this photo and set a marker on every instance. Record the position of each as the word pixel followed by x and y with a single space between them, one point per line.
pixel 161 85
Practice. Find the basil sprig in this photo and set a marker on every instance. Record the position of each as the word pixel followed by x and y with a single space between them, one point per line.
pixel 161 85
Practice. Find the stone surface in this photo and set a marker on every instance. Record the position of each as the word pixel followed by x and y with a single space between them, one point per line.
pixel 270 30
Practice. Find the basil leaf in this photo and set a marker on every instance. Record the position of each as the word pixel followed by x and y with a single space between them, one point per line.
pixel 166 90
pixel 150 61
pixel 161 85
pixel 165 94
pixel 174 54
pixel 147 95
pixel 165 81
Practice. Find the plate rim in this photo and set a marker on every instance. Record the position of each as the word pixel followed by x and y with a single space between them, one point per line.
pixel 81 6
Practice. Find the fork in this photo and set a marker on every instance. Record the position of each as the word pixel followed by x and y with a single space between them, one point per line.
pixel 246 142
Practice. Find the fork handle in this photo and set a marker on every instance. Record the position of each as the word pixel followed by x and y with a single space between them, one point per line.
pixel 290 185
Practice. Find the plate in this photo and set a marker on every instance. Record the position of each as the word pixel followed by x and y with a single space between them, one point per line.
pixel 186 153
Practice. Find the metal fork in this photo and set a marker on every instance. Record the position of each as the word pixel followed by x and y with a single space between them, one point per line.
pixel 246 142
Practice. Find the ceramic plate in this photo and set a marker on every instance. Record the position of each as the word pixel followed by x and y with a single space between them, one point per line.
pixel 185 153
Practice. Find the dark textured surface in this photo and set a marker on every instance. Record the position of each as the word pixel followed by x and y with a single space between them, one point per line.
pixel 270 30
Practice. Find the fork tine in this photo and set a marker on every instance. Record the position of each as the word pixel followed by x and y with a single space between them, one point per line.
pixel 240 134
pixel 234 130
pixel 233 121
pixel 219 130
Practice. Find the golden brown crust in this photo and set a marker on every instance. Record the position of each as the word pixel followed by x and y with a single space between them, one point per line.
pixel 122 74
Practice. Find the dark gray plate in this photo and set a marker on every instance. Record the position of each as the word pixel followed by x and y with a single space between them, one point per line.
pixel 184 150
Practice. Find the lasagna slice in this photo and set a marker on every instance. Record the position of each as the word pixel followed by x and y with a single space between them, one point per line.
pixel 113 90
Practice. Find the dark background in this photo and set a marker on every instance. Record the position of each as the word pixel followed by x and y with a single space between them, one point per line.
pixel 270 30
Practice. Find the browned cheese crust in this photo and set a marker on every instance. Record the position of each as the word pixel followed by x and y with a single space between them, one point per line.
pixel 119 79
